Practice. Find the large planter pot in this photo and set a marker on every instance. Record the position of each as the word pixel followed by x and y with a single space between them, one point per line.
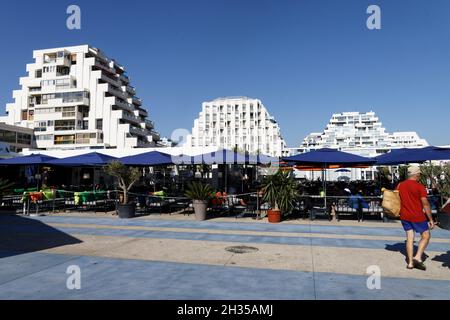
pixel 126 211
pixel 274 216
pixel 444 220
pixel 200 207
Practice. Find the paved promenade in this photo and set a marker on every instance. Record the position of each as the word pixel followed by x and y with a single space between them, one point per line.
pixel 176 257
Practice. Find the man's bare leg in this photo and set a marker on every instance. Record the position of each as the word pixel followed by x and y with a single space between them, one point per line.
pixel 410 247
pixel 422 245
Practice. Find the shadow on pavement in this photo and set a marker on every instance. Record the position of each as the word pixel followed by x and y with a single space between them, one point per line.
pixel 401 247
pixel 444 258
pixel 20 235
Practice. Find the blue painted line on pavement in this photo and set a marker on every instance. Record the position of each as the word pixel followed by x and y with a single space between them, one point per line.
pixel 244 226
pixel 241 238
pixel 44 277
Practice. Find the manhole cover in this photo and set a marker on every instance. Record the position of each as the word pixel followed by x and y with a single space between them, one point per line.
pixel 241 249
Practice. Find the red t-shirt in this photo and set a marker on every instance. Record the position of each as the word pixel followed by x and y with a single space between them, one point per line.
pixel 411 193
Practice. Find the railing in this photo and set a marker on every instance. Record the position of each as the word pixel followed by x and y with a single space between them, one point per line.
pixel 143 112
pixel 155 135
pixel 65 128
pixel 117 92
pixel 104 66
pixel 132 118
pixel 109 76
pixel 124 78
pixel 131 89
pixel 139 131
pixel 137 100
pixel 124 105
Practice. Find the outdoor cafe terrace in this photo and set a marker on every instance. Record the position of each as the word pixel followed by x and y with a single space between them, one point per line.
pixel 40 183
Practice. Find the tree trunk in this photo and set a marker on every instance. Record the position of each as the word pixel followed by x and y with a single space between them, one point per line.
pixel 125 196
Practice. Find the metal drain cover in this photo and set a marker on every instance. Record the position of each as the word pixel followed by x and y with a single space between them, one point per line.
pixel 241 249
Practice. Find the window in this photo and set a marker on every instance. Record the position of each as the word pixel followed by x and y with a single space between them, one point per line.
pixel 46 83
pixel 7 136
pixel 66 97
pixel 44 110
pixel 68 139
pixel 23 138
pixel 49 69
pixel 62 71
pixel 68 112
pixel 63 84
pixel 49 58
pixel 61 125
pixel 84 138
pixel 99 124
pixel 40 126
pixel 84 110
pixel 44 137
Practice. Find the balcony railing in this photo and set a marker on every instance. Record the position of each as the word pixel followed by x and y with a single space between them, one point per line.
pixel 109 77
pixel 116 92
pixel 131 89
pixel 139 131
pixel 131 118
pixel 137 100
pixel 124 78
pixel 124 105
pixel 155 135
pixel 149 124
pixel 143 113
pixel 104 66
pixel 58 60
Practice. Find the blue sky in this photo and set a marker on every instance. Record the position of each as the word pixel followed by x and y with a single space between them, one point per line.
pixel 304 59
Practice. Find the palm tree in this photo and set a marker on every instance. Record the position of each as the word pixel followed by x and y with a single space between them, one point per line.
pixel 281 191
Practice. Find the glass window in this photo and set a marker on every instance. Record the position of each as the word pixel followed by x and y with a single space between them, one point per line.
pixel 7 136
pixel 23 138
pixel 68 139
pixel 44 137
pixel 64 125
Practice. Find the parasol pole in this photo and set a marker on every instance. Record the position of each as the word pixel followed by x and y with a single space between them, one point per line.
pixel 324 186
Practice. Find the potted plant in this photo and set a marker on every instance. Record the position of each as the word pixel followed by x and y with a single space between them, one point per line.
pixel 126 178
pixel 200 194
pixel 280 191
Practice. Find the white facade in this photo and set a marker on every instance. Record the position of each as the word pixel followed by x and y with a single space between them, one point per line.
pixel 237 122
pixel 360 133
pixel 406 140
pixel 77 98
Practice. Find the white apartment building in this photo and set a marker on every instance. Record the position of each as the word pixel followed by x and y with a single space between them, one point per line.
pixel 361 133
pixel 408 139
pixel 237 122
pixel 78 98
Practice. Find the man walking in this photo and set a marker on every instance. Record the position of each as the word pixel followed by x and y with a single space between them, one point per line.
pixel 415 215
